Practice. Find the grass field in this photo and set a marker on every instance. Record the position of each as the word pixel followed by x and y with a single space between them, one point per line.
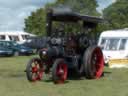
pixel 13 82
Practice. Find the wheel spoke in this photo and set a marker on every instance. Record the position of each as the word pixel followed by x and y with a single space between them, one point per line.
pixel 93 67
pixel 34 69
pixel 40 73
pixel 64 74
pixel 58 73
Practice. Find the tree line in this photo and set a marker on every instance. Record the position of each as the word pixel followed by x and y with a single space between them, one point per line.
pixel 115 15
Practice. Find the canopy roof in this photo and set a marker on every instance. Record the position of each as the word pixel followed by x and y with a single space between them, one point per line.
pixel 69 16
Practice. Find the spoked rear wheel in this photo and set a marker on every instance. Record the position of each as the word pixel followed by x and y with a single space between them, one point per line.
pixel 93 62
pixel 34 70
pixel 59 71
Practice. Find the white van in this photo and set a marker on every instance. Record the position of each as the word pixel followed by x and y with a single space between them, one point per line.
pixel 114 44
pixel 18 36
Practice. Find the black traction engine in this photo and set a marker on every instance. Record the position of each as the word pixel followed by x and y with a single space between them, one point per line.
pixel 66 52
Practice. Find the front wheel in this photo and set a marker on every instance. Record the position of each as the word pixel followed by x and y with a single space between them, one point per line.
pixel 93 62
pixel 34 69
pixel 59 71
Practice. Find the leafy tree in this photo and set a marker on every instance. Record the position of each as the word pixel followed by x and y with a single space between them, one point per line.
pixel 35 23
pixel 116 15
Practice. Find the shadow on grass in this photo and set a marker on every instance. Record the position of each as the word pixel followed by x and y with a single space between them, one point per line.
pixel 78 77
pixel 75 76
pixel 50 80
pixel 106 73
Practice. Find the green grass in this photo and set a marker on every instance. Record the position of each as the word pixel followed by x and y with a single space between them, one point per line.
pixel 13 82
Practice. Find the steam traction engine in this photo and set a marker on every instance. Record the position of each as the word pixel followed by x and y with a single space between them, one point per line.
pixel 64 51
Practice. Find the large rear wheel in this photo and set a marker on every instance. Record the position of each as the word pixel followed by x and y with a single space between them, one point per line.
pixel 34 70
pixel 93 62
pixel 59 71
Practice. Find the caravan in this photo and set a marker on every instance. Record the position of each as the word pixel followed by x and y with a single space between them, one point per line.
pixel 18 36
pixel 114 44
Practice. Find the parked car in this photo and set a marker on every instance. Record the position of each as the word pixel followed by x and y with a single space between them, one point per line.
pixel 16 48
pixel 5 51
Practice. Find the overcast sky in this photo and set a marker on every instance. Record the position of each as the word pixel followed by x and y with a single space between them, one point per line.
pixel 13 12
pixel 104 3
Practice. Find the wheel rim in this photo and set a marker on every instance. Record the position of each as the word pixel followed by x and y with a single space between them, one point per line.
pixel 97 63
pixel 61 72
pixel 36 70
